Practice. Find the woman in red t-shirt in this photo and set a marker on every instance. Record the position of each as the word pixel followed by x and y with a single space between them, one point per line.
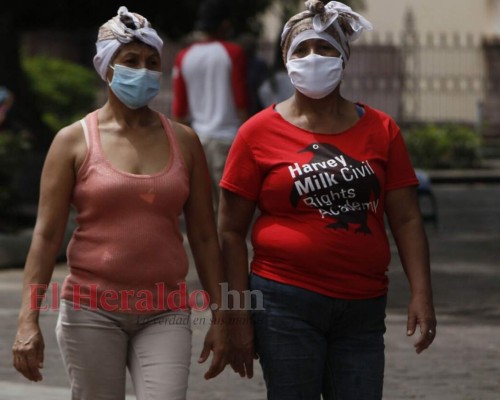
pixel 323 172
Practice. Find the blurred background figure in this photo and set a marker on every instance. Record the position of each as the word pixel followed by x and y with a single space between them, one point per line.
pixel 210 85
pixel 277 87
pixel 6 100
pixel 257 71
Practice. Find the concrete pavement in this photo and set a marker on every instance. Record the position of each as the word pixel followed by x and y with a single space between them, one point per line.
pixel 463 364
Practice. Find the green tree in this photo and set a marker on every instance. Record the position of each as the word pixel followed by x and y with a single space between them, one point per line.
pixel 64 90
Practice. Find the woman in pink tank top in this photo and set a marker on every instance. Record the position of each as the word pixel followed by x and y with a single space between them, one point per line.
pixel 130 173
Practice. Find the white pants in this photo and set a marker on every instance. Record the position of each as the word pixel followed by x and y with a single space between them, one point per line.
pixel 98 346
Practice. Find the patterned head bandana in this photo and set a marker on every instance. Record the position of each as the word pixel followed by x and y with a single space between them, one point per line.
pixel 334 22
pixel 121 29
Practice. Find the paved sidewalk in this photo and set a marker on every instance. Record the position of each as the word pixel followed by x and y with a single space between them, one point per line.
pixel 463 363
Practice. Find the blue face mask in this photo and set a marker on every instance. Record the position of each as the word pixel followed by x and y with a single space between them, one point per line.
pixel 135 87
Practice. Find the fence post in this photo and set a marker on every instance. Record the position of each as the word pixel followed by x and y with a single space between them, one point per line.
pixel 492 100
pixel 411 69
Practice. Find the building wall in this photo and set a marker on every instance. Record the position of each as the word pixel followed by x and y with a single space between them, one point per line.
pixel 475 17
pixel 494 17
pixel 450 70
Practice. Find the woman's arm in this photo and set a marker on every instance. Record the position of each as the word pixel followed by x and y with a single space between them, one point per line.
pixel 407 227
pixel 202 235
pixel 235 217
pixel 56 187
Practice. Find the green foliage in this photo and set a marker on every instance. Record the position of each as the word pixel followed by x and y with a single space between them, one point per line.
pixel 13 147
pixel 444 146
pixel 64 91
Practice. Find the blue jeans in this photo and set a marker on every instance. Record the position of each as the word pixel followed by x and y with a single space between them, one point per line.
pixel 311 345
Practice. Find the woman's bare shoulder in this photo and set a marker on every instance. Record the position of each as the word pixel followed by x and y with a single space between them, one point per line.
pixel 184 133
pixel 189 142
pixel 70 144
pixel 71 135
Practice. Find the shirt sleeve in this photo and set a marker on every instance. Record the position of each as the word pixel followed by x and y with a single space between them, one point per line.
pixel 400 172
pixel 241 172
pixel 238 75
pixel 180 106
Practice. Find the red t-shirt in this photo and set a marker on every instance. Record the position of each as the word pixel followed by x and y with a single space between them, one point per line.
pixel 321 198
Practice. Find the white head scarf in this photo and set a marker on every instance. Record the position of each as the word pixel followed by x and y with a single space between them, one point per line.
pixel 121 29
pixel 334 22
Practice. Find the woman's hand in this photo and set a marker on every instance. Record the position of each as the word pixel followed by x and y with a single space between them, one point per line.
pixel 421 312
pixel 242 343
pixel 407 227
pixel 202 236
pixel 235 218
pixel 216 340
pixel 28 350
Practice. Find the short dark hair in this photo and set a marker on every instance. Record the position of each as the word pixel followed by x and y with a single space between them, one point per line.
pixel 212 13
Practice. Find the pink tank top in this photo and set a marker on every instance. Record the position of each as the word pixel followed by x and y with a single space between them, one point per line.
pixel 127 252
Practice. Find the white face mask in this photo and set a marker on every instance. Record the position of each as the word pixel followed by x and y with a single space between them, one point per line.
pixel 315 76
